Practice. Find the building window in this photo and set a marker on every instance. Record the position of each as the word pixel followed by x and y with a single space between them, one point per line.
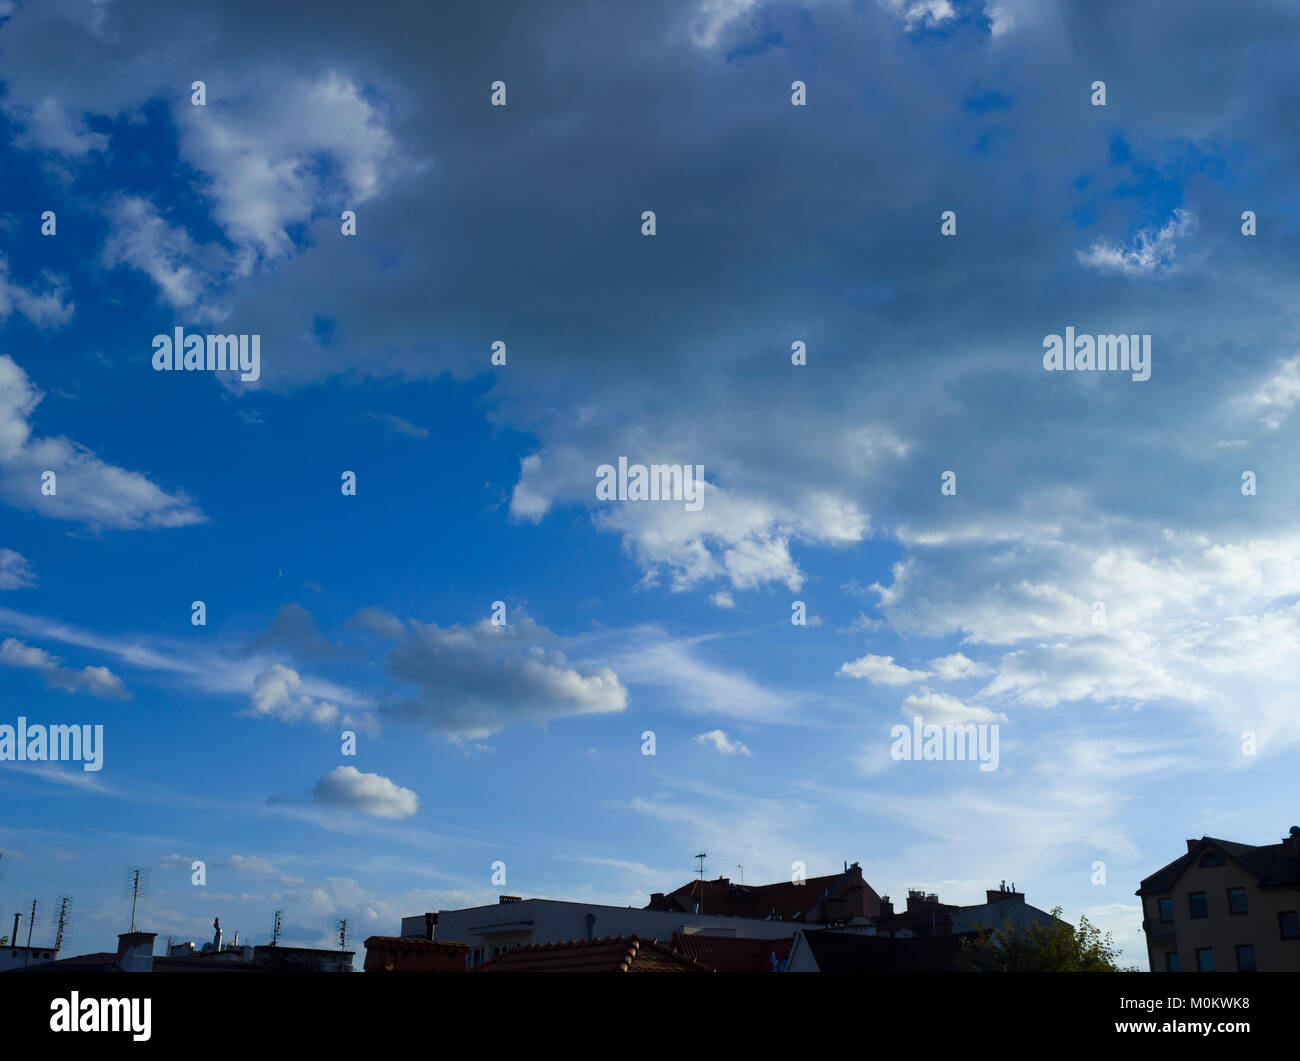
pixel 1166 907
pixel 1205 959
pixel 1289 922
pixel 1213 858
pixel 1246 958
pixel 1196 902
pixel 1172 964
pixel 1236 900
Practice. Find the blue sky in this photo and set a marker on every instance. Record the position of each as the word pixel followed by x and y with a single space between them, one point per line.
pixel 475 483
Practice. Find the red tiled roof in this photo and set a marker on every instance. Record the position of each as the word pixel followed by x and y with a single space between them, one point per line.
pixel 837 896
pixel 414 954
pixel 731 954
pixel 617 954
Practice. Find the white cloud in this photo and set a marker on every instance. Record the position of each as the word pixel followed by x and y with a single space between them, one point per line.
pixel 183 271
pixel 97 681
pixel 275 695
pixel 1276 397
pixel 348 788
pixel 922 12
pixel 719 740
pixel 48 308
pixel 262 153
pixel 473 681
pixel 940 709
pixel 87 489
pixel 650 658
pixel 882 670
pixel 1152 250
pixel 51 125
pixel 16 572
pixel 956 666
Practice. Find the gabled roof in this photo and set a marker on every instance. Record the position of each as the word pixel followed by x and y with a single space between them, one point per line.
pixel 730 954
pixel 832 897
pixel 616 954
pixel 1268 864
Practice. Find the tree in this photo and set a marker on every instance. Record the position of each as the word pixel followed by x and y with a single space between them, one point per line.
pixel 1038 948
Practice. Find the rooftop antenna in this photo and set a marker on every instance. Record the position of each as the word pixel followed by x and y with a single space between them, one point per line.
pixel 699 906
pixel 343 934
pixel 135 896
pixel 27 957
pixel 63 920
pixel 137 881
pixel 275 935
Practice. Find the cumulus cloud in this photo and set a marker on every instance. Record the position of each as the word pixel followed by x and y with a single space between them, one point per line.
pixel 882 670
pixel 956 666
pixel 473 681
pixel 96 681
pixel 275 695
pixel 719 740
pixel 348 788
pixel 940 709
pixel 88 490
pixel 262 151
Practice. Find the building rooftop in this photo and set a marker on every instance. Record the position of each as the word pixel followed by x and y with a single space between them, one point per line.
pixel 617 954
pixel 836 896
pixel 732 954
pixel 1271 865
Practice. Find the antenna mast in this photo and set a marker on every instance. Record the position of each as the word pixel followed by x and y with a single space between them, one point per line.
pixel 699 906
pixel 27 957
pixel 63 917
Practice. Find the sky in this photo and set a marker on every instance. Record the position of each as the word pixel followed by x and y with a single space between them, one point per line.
pixel 949 512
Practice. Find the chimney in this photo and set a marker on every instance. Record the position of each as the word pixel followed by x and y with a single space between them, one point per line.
pixel 886 907
pixel 916 900
pixel 1003 893
pixel 13 940
pixel 135 951
pixel 1291 844
pixel 656 899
